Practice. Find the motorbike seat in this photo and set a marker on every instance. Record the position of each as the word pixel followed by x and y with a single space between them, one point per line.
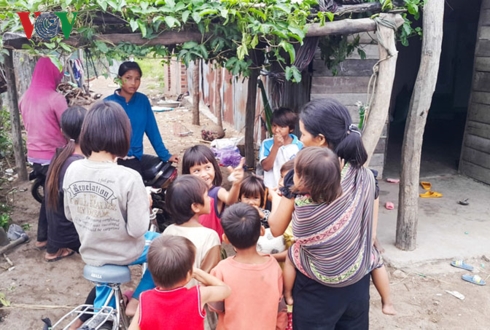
pixel 112 274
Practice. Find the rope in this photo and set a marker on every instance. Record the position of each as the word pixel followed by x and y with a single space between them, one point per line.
pixel 374 77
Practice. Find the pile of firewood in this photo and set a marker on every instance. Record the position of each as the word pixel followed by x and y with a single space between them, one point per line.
pixel 75 95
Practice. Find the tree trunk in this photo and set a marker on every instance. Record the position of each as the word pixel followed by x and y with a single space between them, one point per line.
pixel 24 68
pixel 195 93
pixel 378 111
pixel 20 160
pixel 219 84
pixel 406 226
pixel 250 117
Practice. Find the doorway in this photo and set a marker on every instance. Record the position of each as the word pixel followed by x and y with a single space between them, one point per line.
pixel 444 130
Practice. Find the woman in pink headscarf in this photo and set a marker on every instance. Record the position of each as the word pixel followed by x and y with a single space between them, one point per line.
pixel 41 108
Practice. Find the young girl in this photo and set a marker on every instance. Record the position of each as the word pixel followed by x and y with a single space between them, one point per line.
pixel 317 181
pixel 173 304
pixel 138 108
pixel 252 192
pixel 62 236
pixel 199 160
pixel 108 203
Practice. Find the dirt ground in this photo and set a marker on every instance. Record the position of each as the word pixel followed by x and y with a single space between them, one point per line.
pixel 37 289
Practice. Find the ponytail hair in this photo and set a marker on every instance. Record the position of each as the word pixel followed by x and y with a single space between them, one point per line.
pixel 71 125
pixel 331 119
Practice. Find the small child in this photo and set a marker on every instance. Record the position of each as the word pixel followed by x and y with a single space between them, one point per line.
pixel 172 305
pixel 252 192
pixel 199 161
pixel 187 199
pixel 307 169
pixel 283 146
pixel 255 279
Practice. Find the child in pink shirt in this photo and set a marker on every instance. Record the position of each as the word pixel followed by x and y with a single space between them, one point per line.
pixel 255 280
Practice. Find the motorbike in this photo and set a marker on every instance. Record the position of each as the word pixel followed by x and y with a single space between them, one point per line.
pixel 158 175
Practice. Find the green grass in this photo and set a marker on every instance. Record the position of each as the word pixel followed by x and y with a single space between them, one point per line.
pixel 152 68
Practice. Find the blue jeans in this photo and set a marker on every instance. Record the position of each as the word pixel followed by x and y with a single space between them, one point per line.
pixel 103 291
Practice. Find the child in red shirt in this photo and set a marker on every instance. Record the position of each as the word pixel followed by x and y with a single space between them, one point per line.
pixel 171 305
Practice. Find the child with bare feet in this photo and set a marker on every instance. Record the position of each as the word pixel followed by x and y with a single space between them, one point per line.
pixel 317 182
pixel 171 305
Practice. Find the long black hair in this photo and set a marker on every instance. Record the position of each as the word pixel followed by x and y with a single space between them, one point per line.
pixel 71 126
pixel 331 119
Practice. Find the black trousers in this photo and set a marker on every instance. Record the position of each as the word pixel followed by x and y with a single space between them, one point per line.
pixel 319 307
pixel 42 223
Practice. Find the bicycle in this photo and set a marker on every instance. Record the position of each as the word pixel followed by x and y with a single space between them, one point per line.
pixel 106 317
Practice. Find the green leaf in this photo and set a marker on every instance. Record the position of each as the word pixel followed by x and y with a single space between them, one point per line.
pixel 134 24
pixel 297 31
pixel 65 47
pixel 101 46
pixel 142 27
pixel 50 45
pixel 330 15
pixel 170 3
pixel 289 49
pixel 185 16
pixel 102 4
pixel 296 74
pixel 171 21
pixel 289 73
pixel 224 13
pixel 255 41
pixel 56 61
pixel 241 51
pixel 190 45
pixel 179 6
pixel 196 16
pixel 362 53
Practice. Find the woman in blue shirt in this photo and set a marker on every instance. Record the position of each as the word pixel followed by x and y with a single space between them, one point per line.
pixel 138 108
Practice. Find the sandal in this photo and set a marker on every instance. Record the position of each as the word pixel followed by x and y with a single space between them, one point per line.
pixel 62 253
pixel 431 194
pixel 41 245
pixel 475 279
pixel 461 264
pixel 426 185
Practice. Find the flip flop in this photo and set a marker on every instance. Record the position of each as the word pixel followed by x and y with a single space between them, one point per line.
pixel 41 245
pixel 430 194
pixel 60 255
pixel 389 206
pixel 475 279
pixel 461 264
pixel 426 185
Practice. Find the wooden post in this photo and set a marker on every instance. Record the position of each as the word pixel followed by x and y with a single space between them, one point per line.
pixel 378 111
pixel 20 158
pixel 219 84
pixel 195 93
pixel 250 117
pixel 406 226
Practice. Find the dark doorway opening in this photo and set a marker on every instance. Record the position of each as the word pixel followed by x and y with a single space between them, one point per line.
pixel 444 130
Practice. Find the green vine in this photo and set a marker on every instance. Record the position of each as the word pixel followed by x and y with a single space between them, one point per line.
pixel 230 29
pixel 335 49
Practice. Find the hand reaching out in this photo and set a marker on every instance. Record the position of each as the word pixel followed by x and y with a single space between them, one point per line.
pixel 237 173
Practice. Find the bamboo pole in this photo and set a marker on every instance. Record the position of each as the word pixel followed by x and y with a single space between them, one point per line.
pixel 406 226
pixel 378 110
pixel 195 93
pixel 17 144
